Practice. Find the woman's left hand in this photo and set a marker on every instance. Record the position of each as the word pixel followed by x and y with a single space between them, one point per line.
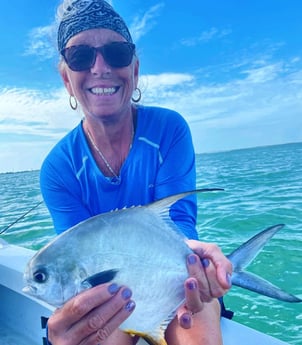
pixel 210 277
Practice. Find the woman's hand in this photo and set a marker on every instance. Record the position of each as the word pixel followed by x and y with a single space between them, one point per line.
pixel 210 277
pixel 92 317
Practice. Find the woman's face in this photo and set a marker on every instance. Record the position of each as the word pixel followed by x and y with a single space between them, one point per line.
pixel 101 90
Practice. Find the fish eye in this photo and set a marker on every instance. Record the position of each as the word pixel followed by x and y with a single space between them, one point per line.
pixel 40 276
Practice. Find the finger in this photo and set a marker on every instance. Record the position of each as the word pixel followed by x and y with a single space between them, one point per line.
pixel 99 320
pixel 185 319
pixel 215 288
pixel 197 271
pixel 81 304
pixel 194 303
pixel 75 309
pixel 110 329
pixel 116 321
pixel 222 264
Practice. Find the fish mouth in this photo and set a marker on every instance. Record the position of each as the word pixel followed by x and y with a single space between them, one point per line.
pixel 30 290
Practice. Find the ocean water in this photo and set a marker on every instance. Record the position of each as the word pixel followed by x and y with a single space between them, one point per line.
pixel 263 187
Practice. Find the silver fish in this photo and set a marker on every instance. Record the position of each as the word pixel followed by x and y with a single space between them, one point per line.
pixel 139 247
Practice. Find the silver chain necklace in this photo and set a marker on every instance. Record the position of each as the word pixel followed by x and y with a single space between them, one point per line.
pixel 102 156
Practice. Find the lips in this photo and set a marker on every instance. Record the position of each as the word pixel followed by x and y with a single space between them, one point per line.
pixel 104 91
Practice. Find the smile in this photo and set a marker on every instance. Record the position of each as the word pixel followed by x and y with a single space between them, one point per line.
pixel 104 90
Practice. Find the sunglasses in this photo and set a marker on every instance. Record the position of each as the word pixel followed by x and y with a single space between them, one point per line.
pixel 82 57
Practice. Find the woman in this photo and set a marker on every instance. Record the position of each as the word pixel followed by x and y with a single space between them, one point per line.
pixel 122 154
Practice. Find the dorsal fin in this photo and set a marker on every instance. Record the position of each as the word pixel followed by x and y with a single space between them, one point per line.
pixel 162 206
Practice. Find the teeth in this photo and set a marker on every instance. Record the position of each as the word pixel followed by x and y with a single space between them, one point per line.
pixel 103 90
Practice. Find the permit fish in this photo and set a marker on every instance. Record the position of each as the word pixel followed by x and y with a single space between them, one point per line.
pixel 139 247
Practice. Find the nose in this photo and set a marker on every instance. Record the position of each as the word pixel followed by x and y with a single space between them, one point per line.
pixel 100 65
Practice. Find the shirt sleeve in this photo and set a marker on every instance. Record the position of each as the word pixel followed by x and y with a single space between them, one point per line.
pixel 59 188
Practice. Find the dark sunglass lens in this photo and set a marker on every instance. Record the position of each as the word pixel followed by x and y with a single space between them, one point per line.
pixel 118 54
pixel 80 58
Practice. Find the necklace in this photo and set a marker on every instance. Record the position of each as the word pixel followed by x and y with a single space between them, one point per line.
pixel 103 157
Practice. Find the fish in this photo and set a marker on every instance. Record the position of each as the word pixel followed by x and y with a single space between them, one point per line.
pixel 140 247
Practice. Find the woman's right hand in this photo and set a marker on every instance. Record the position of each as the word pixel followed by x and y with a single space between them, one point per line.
pixel 92 317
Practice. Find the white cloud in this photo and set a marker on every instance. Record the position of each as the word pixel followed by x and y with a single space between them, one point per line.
pixel 142 24
pixel 206 36
pixel 264 73
pixel 41 42
pixel 36 114
pixel 258 107
pixel 168 79
pixel 30 124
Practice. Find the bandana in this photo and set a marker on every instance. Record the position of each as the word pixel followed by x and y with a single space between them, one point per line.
pixel 85 15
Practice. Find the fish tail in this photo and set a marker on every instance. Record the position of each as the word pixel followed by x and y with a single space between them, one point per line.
pixel 257 284
pixel 244 255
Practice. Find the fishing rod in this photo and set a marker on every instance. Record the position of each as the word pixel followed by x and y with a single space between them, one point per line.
pixel 22 216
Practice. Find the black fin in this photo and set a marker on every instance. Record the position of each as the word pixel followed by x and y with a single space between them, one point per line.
pixel 101 277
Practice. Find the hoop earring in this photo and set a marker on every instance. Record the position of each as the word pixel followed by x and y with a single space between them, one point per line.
pixel 73 102
pixel 136 100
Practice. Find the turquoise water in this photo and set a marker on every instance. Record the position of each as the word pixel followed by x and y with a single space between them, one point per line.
pixel 263 186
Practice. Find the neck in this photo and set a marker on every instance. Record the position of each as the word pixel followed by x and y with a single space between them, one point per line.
pixel 110 142
pixel 111 129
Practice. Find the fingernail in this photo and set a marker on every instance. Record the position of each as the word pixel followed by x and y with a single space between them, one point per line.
pixel 126 293
pixel 191 285
pixel 205 262
pixel 130 306
pixel 229 279
pixel 192 259
pixel 186 320
pixel 113 289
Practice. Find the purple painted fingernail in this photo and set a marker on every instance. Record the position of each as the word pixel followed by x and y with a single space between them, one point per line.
pixel 113 289
pixel 192 260
pixel 126 293
pixel 186 320
pixel 229 279
pixel 205 262
pixel 192 285
pixel 130 306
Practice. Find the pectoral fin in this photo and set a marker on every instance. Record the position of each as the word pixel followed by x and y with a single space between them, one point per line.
pixel 100 278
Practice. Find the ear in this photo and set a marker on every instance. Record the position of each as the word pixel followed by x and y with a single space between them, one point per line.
pixel 66 80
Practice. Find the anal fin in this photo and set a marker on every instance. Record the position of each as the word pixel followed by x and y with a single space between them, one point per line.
pixel 148 338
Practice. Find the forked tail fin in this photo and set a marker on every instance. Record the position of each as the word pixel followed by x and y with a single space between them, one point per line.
pixel 244 255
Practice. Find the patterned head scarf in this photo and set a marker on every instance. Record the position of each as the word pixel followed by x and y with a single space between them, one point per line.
pixel 89 14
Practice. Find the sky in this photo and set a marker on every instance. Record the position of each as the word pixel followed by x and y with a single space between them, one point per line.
pixel 232 68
